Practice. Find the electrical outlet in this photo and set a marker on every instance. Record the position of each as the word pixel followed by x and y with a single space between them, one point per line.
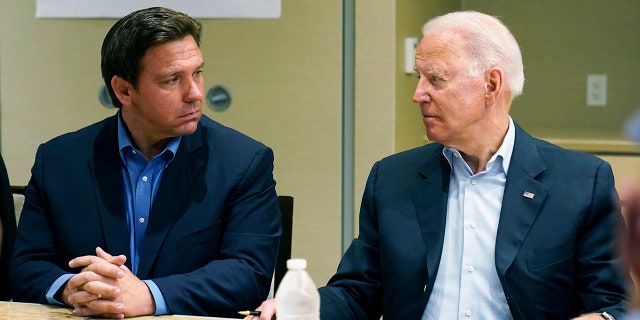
pixel 597 90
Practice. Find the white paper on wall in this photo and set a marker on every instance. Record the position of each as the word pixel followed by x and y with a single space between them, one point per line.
pixel 248 9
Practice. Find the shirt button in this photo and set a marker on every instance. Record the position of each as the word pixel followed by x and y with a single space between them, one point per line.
pixel 467 313
pixel 474 182
pixel 471 269
pixel 145 178
pixel 133 151
pixel 473 224
pixel 141 220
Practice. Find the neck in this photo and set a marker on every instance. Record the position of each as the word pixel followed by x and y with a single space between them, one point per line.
pixel 148 144
pixel 482 148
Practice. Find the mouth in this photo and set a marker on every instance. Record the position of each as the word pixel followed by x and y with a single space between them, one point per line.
pixel 192 114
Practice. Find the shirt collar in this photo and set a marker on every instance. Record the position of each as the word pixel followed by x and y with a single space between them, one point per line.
pixel 506 149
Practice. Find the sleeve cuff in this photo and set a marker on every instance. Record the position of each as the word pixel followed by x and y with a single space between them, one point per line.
pixel 158 298
pixel 55 287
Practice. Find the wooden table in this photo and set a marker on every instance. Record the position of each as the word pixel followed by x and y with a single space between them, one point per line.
pixel 31 311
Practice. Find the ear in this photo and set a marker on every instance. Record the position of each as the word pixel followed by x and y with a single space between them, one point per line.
pixel 494 82
pixel 122 88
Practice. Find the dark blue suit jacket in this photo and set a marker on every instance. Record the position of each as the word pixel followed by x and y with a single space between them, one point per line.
pixel 553 252
pixel 213 231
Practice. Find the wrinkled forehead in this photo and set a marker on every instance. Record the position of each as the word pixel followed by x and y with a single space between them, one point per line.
pixel 444 46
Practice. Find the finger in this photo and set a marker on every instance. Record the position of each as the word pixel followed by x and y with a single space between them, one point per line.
pixel 101 290
pixel 83 312
pixel 88 312
pixel 266 316
pixel 76 282
pixel 82 297
pixel 84 261
pixel 267 309
pixel 105 269
pixel 118 260
pixel 100 307
pixel 103 254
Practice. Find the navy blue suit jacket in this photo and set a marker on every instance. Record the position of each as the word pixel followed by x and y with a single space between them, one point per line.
pixel 213 231
pixel 553 251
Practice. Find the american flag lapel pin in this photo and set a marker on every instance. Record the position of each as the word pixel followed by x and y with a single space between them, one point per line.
pixel 528 195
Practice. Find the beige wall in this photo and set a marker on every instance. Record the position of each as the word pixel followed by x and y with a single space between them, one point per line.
pixel 285 79
pixel 562 42
pixel 374 94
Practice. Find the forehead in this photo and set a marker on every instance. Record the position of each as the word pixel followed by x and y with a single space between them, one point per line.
pixel 173 53
pixel 442 48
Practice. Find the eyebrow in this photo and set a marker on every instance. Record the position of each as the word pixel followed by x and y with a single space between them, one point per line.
pixel 437 72
pixel 176 72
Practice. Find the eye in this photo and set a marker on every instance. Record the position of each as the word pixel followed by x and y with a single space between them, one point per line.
pixel 197 74
pixel 172 80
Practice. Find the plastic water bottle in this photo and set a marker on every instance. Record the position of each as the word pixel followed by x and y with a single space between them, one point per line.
pixel 297 296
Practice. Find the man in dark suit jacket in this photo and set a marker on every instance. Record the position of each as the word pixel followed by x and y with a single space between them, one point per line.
pixel 8 232
pixel 157 209
pixel 486 222
pixel 553 252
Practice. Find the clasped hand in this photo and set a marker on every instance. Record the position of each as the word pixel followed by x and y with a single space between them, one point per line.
pixel 107 288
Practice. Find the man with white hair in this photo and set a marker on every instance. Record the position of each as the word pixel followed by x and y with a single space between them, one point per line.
pixel 486 222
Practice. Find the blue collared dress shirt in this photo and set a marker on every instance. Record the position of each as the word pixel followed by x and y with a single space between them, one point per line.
pixel 467 284
pixel 141 182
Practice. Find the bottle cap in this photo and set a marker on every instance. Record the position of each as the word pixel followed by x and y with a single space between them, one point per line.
pixel 296 264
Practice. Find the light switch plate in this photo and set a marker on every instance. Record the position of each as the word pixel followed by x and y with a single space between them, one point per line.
pixel 410 45
pixel 597 90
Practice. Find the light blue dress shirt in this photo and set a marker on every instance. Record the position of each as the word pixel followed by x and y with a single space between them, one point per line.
pixel 633 315
pixel 467 284
pixel 141 182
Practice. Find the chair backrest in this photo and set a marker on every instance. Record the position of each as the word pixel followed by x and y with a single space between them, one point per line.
pixel 18 200
pixel 284 251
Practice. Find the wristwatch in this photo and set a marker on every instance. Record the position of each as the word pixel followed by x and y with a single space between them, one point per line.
pixel 607 316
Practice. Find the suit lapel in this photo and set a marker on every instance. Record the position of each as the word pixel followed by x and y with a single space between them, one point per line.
pixel 106 168
pixel 522 200
pixel 431 205
pixel 176 182
pixel 430 198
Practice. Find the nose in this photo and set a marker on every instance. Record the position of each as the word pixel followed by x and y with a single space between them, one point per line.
pixel 421 93
pixel 195 90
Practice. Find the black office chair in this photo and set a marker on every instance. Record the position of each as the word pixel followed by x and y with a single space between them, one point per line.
pixel 284 251
pixel 8 217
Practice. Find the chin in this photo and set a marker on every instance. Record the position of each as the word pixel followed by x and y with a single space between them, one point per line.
pixel 187 129
pixel 431 136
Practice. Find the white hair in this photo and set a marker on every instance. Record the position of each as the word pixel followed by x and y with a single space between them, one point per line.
pixel 489 44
